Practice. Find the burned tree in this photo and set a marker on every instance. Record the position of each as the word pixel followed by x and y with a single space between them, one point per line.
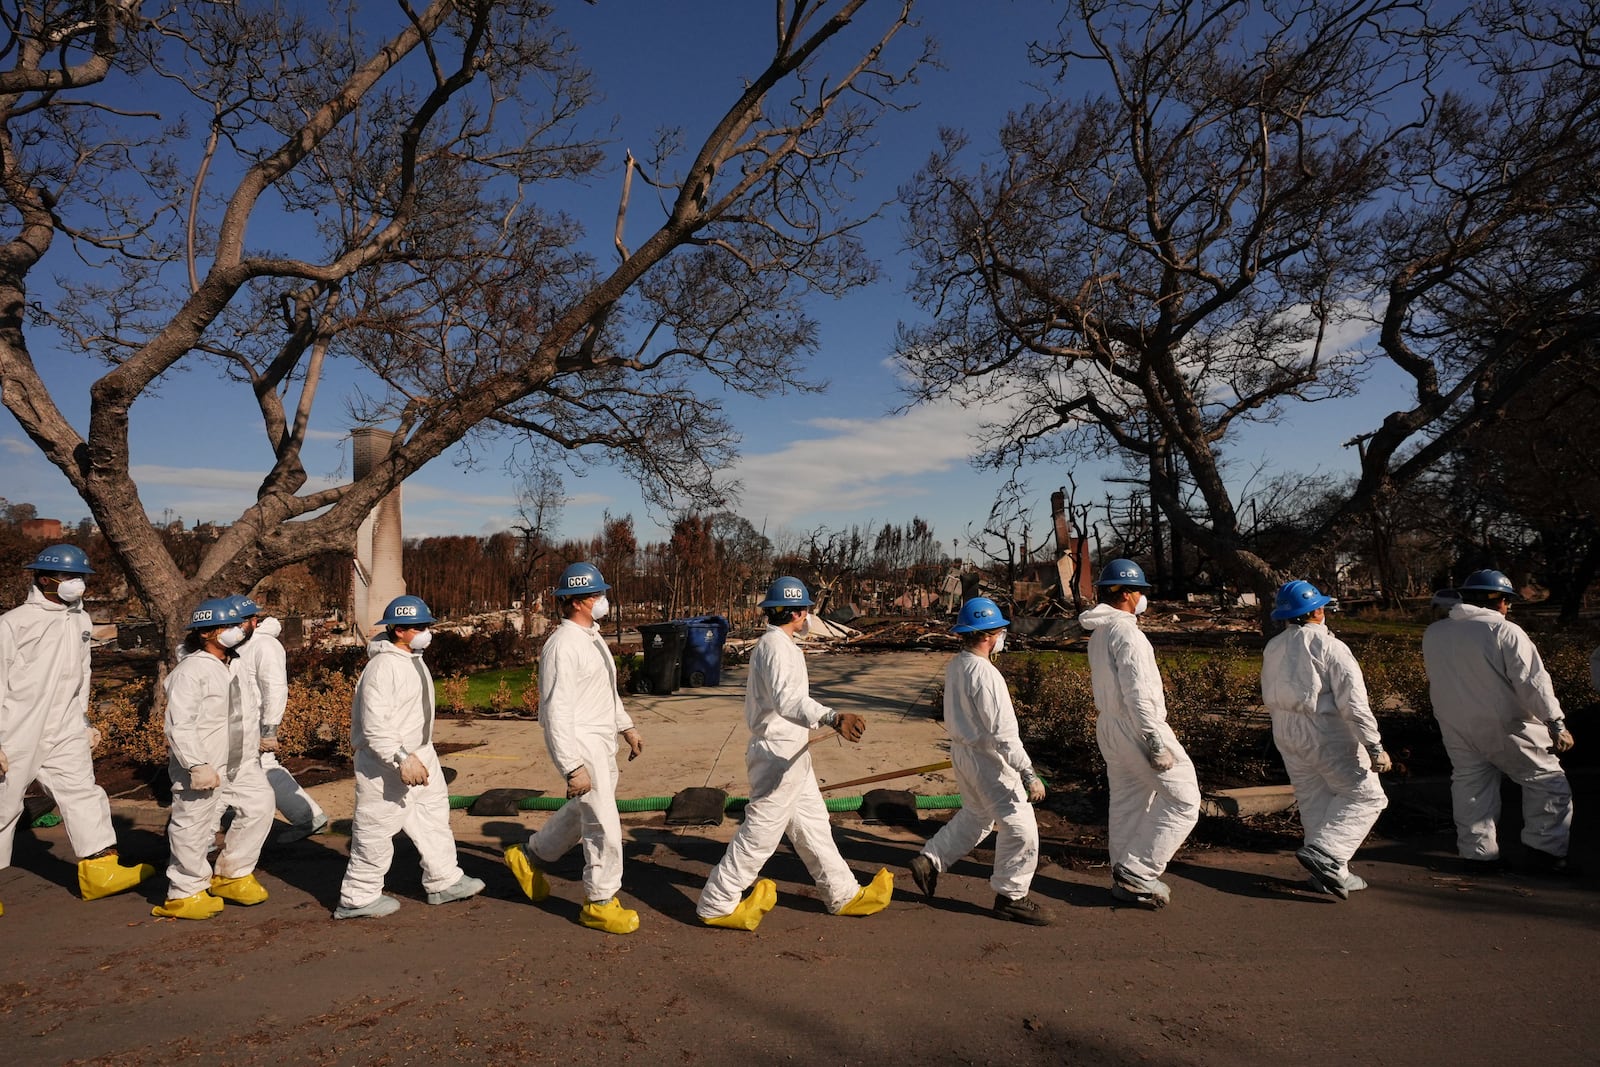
pixel 290 192
pixel 1251 207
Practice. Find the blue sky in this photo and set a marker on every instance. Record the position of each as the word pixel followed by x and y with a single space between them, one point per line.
pixel 834 458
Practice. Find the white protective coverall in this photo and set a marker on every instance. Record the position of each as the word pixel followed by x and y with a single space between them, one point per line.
pixel 784 798
pixel 1493 699
pixel 1151 811
pixel 1324 729
pixel 986 751
pixel 582 714
pixel 392 715
pixel 264 687
pixel 206 724
pixel 44 693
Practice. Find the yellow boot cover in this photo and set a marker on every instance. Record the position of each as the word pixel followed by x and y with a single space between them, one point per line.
pixel 244 890
pixel 200 906
pixel 104 875
pixel 610 916
pixel 874 897
pixel 747 916
pixel 529 877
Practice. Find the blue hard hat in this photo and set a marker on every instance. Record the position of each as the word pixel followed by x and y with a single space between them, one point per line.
pixel 1487 581
pixel 787 592
pixel 978 614
pixel 580 579
pixel 1299 598
pixel 246 607
pixel 209 614
pixel 63 559
pixel 406 611
pixel 1123 572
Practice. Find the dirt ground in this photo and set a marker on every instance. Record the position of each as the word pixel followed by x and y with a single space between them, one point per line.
pixel 1245 967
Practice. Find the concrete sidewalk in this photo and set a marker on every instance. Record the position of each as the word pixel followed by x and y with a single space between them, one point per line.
pixel 695 737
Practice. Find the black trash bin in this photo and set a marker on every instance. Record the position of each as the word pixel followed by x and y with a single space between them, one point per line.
pixel 663 657
pixel 702 654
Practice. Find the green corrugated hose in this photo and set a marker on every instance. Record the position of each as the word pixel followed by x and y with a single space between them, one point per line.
pixel 637 804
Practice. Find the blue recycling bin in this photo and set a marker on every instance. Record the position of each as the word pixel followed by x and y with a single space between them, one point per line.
pixel 702 651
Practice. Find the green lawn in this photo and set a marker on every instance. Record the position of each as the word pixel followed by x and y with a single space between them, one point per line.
pixel 1242 665
pixel 1378 625
pixel 481 687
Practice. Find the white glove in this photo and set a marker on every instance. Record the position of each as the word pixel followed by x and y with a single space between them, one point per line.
pixel 204 777
pixel 635 743
pixel 578 783
pixel 5 764
pixel 1560 738
pixel 1380 759
pixel 1034 786
pixel 93 735
pixel 1155 750
pixel 413 771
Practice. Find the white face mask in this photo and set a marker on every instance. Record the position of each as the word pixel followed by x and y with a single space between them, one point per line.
pixel 601 609
pixel 1142 606
pixel 232 637
pixel 1000 644
pixel 71 590
pixel 421 640
pixel 805 624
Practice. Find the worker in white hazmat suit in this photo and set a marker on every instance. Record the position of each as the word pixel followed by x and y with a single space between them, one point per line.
pixel 784 798
pixel 264 687
pixel 400 785
pixel 998 785
pixel 582 714
pixel 1155 798
pixel 44 730
pixel 1499 715
pixel 214 767
pixel 1326 734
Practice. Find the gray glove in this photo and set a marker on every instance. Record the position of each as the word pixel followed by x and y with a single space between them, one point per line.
pixel 1560 738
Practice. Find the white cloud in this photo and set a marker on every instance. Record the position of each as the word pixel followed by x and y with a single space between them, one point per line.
pixel 16 446
pixel 492 514
pixel 423 493
pixel 857 463
pixel 245 483
pixel 196 477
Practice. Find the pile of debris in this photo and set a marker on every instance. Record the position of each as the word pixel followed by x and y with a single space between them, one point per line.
pixel 1183 622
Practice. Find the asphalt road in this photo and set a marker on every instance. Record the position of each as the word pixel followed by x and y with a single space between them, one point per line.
pixel 1245 967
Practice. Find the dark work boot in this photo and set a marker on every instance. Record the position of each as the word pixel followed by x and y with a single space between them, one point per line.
pixel 1020 911
pixel 1548 865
